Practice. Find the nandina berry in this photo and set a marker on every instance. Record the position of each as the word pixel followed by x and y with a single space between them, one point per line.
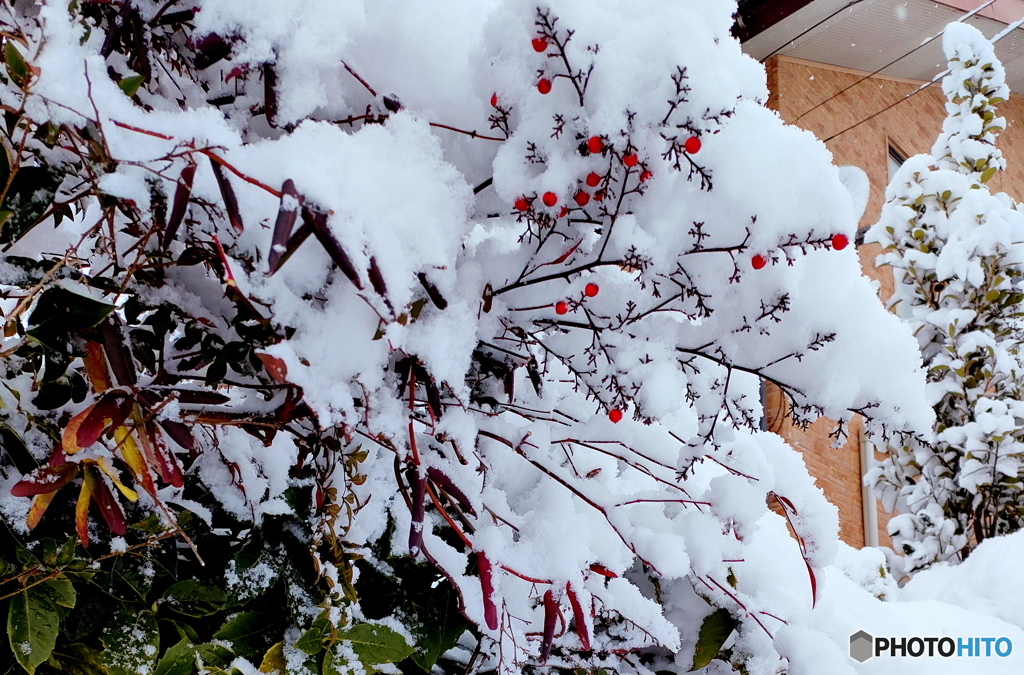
pixel 615 415
pixel 549 199
pixel 564 212
pixel 544 86
pixel 595 144
pixel 522 205
pixel 630 160
pixel 758 261
pixel 561 307
pixel 581 198
pixel 593 179
pixel 599 196
pixel 646 176
pixel 494 100
pixel 590 290
pixel 692 145
pixel 540 44
pixel 839 242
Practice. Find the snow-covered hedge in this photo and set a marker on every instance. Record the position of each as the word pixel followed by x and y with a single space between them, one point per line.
pixel 340 335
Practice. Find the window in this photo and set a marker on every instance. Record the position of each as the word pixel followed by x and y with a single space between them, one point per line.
pixel 896 159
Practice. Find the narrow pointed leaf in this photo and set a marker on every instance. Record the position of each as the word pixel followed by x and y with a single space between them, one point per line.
pixel 230 201
pixel 291 204
pixel 182 192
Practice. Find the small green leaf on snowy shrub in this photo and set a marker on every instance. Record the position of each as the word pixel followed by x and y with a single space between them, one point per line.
pixel 178 660
pixel 16 66
pixel 214 656
pixel 311 642
pixel 247 633
pixel 714 631
pixel 192 598
pixel 376 644
pixel 130 85
pixel 987 174
pixel 32 623
pixel 132 643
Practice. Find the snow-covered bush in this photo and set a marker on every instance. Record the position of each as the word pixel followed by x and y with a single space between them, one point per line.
pixel 436 332
pixel 957 253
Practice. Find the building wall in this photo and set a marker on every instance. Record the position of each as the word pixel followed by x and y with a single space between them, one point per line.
pixel 911 126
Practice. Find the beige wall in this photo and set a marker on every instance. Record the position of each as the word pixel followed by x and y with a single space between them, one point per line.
pixel 911 126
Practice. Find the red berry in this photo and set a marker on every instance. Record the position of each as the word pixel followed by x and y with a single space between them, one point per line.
pixel 692 145
pixel 599 196
pixel 540 44
pixel 630 160
pixel 593 179
pixel 839 242
pixel 615 415
pixel 758 261
pixel 549 199
pixel 561 307
pixel 494 100
pixel 581 198
pixel 646 176
pixel 544 86
pixel 591 290
pixel 522 204
pixel 595 144
pixel 564 212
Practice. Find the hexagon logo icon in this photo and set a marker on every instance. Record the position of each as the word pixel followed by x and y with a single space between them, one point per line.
pixel 861 646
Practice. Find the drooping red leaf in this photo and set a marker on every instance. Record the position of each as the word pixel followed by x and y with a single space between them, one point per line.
pixel 577 613
pixel 199 397
pixel 318 223
pixel 270 94
pixel 432 292
pixel 115 346
pixel 417 486
pixel 111 410
pixel 182 192
pixel 550 618
pixel 210 49
pixel 603 571
pixel 228 194
pixel 377 281
pixel 108 507
pixel 45 480
pixel 814 583
pixel 275 367
pixel 291 204
pixel 160 457
pixel 179 433
pixel 487 586
pixel 441 480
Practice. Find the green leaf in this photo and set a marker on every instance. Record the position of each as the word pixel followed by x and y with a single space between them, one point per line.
pixel 59 313
pixel 215 656
pixel 130 85
pixel 192 598
pixel 61 591
pixel 987 174
pixel 78 659
pixel 714 631
pixel 311 642
pixel 178 660
pixel 247 633
pixel 376 644
pixel 16 66
pixel 30 194
pixel 32 624
pixel 132 643
pixel 273 660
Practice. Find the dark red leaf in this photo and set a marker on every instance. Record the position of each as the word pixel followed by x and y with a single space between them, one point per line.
pixel 487 586
pixel 318 223
pixel 111 410
pixel 209 50
pixel 445 483
pixel 603 571
pixel 115 347
pixel 181 196
pixel 270 94
pixel 45 480
pixel 108 507
pixel 432 292
pixel 550 618
pixel 577 612
pixel 228 193
pixel 179 433
pixel 488 298
pixel 418 491
pixel 291 204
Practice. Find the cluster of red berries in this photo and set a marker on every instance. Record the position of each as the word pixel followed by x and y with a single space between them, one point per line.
pixel 839 242
pixel 590 290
